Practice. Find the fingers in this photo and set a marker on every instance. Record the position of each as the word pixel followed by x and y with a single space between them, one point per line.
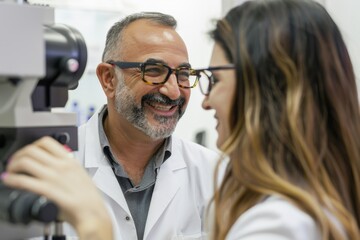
pixel 45 151
pixel 25 182
pixel 37 166
pixel 57 181
pixel 44 188
pixel 28 164
pixel 53 147
pixel 45 168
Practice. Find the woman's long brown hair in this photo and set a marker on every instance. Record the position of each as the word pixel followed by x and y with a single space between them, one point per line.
pixel 295 119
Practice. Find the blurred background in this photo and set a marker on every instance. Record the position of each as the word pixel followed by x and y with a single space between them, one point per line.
pixel 195 18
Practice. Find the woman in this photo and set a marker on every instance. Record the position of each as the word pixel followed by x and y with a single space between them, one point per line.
pixel 284 93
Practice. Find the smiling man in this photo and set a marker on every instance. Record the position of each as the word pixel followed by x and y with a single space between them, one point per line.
pixel 156 185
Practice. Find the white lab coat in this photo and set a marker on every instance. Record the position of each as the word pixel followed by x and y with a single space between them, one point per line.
pixel 274 219
pixel 182 190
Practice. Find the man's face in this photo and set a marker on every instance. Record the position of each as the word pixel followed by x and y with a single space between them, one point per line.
pixel 155 110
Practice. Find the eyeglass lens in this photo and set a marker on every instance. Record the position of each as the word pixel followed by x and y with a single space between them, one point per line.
pixel 158 73
pixel 205 82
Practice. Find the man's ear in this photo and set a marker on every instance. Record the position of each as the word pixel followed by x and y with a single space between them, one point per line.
pixel 106 75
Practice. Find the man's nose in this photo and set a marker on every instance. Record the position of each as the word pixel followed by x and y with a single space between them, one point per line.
pixel 171 88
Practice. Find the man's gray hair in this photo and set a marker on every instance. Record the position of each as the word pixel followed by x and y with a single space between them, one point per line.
pixel 113 37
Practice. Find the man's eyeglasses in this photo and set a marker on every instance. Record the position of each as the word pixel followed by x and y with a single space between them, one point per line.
pixel 159 73
pixel 206 78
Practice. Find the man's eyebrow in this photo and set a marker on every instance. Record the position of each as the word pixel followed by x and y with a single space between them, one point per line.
pixel 187 65
pixel 154 60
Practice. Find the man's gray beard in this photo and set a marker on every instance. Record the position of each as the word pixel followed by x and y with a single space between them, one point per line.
pixel 125 105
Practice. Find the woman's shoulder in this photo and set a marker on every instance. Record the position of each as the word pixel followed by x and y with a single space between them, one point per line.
pixel 274 219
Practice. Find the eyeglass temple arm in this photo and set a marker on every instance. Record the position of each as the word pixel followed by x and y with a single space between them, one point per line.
pixel 125 64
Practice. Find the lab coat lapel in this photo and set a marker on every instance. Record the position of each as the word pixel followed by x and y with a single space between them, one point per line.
pixel 166 187
pixel 106 181
pixel 98 166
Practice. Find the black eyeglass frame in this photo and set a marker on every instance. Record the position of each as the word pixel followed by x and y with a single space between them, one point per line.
pixel 142 65
pixel 211 79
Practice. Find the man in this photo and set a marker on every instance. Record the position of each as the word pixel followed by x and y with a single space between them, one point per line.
pixel 157 185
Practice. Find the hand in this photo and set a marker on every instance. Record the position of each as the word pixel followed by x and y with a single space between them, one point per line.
pixel 47 168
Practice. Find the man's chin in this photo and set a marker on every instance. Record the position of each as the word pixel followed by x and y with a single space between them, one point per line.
pixel 160 132
pixel 159 135
pixel 160 127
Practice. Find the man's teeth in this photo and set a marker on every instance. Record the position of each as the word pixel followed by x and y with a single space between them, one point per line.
pixel 162 107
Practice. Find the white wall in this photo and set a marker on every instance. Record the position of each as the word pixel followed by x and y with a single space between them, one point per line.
pixel 346 14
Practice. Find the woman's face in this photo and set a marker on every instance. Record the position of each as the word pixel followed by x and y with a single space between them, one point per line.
pixel 221 95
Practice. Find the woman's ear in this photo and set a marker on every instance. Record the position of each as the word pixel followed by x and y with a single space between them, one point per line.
pixel 106 75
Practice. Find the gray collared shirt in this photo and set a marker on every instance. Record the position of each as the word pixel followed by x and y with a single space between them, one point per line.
pixel 138 197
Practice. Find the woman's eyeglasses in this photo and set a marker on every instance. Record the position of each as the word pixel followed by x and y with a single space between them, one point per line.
pixel 206 78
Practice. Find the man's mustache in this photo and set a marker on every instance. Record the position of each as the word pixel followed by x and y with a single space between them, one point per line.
pixel 159 98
